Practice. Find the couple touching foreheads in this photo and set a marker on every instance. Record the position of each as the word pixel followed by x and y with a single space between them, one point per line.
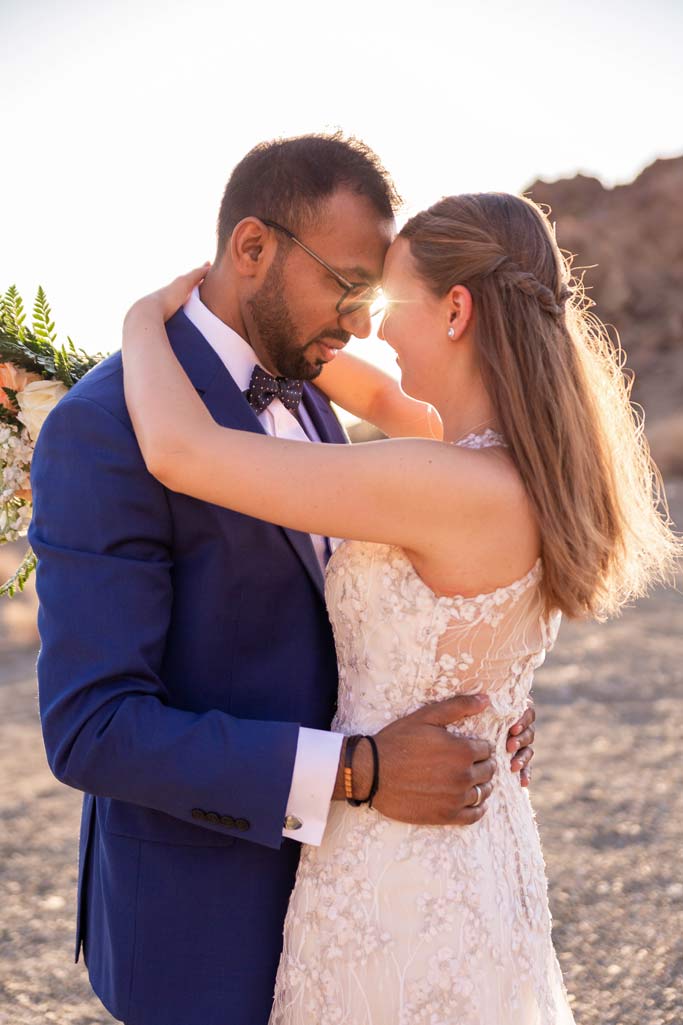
pixel 292 675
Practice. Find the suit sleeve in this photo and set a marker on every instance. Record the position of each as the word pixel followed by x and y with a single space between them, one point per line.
pixel 102 532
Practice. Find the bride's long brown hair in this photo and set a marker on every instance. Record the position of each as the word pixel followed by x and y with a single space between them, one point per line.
pixel 561 397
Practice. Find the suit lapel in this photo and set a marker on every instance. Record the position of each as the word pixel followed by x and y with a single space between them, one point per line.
pixel 229 408
pixel 326 424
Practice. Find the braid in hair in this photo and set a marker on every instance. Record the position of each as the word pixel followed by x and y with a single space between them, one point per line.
pixel 510 275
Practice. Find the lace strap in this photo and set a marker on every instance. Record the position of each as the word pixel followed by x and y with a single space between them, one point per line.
pixel 487 439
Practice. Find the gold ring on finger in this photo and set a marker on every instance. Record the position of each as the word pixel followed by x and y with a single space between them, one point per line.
pixel 478 800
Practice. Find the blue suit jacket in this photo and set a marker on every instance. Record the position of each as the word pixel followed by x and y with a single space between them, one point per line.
pixel 182 646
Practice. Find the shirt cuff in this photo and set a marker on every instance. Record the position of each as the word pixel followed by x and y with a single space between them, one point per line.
pixel 313 779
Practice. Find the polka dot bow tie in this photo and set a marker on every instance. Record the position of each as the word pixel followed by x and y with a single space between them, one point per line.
pixel 264 388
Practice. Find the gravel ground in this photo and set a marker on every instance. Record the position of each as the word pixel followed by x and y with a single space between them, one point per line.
pixel 607 788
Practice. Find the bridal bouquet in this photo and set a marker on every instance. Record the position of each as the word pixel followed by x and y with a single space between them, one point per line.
pixel 35 373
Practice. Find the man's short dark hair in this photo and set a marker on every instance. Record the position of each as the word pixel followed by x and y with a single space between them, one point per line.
pixel 287 180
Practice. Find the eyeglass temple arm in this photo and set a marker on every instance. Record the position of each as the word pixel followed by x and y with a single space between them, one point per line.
pixel 290 234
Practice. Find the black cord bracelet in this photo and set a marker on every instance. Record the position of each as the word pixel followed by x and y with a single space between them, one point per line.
pixel 375 769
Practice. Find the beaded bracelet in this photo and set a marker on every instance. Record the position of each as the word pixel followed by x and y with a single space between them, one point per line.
pixel 351 743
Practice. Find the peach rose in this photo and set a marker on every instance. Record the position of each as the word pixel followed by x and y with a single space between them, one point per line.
pixel 36 400
pixel 16 379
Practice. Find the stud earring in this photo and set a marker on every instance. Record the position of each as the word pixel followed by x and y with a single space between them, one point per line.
pixel 451 332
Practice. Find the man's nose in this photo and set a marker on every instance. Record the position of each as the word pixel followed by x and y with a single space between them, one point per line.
pixel 358 322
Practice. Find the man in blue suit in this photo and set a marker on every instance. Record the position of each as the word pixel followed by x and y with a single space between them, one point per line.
pixel 187 673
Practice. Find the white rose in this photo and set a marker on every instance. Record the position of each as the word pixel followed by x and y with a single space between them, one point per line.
pixel 35 401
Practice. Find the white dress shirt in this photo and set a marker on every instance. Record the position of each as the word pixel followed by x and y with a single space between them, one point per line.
pixel 317 752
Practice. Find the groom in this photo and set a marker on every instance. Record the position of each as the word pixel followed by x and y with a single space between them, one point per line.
pixel 187 673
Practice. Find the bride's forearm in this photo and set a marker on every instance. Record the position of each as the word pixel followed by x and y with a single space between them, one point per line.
pixel 353 384
pixel 167 414
pixel 399 416
pixel 371 394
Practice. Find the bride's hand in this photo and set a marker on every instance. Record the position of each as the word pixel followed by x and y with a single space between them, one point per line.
pixel 167 300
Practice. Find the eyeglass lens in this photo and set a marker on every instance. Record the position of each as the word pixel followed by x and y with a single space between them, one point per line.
pixel 362 296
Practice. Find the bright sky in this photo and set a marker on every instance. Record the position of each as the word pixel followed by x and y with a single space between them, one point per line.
pixel 122 119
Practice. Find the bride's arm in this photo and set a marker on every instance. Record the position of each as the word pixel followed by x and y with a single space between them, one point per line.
pixel 373 395
pixel 377 491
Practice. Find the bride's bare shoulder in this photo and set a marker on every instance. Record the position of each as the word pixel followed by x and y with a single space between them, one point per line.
pixel 484 479
pixel 489 475
pixel 486 534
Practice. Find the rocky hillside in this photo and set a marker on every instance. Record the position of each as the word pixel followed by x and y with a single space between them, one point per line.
pixel 634 235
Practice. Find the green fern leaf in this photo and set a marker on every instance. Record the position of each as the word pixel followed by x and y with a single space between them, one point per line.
pixel 12 314
pixel 43 326
pixel 62 369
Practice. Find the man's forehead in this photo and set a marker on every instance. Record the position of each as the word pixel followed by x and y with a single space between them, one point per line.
pixel 349 210
pixel 358 248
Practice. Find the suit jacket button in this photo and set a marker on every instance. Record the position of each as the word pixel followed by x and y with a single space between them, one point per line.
pixel 242 824
pixel 292 822
pixel 212 817
pixel 228 821
pixel 197 813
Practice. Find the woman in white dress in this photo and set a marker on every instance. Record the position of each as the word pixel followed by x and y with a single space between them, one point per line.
pixel 535 497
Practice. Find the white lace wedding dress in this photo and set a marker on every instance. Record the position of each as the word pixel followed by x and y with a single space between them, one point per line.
pixel 393 924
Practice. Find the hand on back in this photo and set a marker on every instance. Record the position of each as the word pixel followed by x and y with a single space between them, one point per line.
pixel 427 774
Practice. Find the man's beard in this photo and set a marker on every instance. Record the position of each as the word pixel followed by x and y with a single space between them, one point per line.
pixel 277 331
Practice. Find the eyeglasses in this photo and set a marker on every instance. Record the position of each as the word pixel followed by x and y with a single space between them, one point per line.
pixel 358 295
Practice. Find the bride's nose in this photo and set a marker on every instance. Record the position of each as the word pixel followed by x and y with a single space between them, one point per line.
pixel 381 328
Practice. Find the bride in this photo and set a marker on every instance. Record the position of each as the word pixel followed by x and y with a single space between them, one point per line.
pixel 531 494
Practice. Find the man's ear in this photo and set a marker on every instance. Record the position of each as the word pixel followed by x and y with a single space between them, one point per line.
pixel 251 247
pixel 460 309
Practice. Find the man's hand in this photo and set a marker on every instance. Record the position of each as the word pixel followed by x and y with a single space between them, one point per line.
pixel 520 738
pixel 427 775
